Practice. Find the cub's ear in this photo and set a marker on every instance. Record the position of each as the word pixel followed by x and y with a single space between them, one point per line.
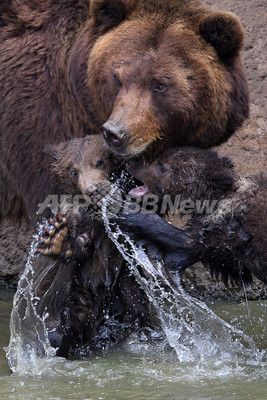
pixel 227 163
pixel 221 181
pixel 109 13
pixel 53 152
pixel 224 32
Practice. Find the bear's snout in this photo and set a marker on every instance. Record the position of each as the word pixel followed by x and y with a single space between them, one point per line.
pixel 114 134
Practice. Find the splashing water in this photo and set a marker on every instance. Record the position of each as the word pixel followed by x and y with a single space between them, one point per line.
pixel 191 328
pixel 28 335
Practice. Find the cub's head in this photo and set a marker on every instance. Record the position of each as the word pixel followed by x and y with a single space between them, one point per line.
pixel 81 166
pixel 189 172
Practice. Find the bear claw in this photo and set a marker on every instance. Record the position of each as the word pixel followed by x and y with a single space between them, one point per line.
pixel 56 235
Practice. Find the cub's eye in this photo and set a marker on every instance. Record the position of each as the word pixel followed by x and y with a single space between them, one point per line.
pixel 99 163
pixel 74 173
pixel 117 81
pixel 159 87
pixel 162 168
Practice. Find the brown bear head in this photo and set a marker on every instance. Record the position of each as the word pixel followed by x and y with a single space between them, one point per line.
pixel 161 72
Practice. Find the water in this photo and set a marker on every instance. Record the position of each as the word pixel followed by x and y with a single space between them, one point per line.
pixel 192 330
pixel 28 335
pixel 138 369
pixel 206 350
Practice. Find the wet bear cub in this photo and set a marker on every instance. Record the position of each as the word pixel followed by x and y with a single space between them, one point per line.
pixel 79 174
pixel 80 276
pixel 228 221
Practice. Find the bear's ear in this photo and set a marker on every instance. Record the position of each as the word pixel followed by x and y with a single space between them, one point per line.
pixel 221 181
pixel 227 163
pixel 224 32
pixel 52 151
pixel 109 13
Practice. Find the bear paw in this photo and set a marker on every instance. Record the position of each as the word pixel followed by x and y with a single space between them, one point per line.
pixel 51 240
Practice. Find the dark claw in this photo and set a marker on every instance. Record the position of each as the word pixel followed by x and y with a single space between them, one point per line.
pixel 52 245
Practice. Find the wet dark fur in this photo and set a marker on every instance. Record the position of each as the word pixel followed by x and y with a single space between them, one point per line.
pixel 92 299
pixel 48 94
pixel 232 241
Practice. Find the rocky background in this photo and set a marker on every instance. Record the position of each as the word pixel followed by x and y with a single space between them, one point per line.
pixel 248 149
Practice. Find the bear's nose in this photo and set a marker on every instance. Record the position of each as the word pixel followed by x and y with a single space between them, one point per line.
pixel 113 134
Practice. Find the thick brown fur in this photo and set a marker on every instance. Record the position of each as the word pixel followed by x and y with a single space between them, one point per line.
pixel 230 238
pixel 154 73
pixel 189 172
pixel 91 297
pixel 79 166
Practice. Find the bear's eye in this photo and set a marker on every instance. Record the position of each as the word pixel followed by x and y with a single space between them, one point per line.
pixel 74 173
pixel 159 87
pixel 99 163
pixel 117 81
pixel 162 168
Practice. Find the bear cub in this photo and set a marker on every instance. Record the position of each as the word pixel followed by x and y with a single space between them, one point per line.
pixel 82 281
pixel 80 171
pixel 230 238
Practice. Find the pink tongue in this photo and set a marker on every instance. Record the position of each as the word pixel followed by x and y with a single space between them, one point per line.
pixel 139 191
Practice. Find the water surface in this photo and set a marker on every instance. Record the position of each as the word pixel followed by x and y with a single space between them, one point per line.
pixel 141 369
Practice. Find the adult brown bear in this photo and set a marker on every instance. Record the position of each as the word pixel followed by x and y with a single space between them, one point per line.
pixel 159 72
